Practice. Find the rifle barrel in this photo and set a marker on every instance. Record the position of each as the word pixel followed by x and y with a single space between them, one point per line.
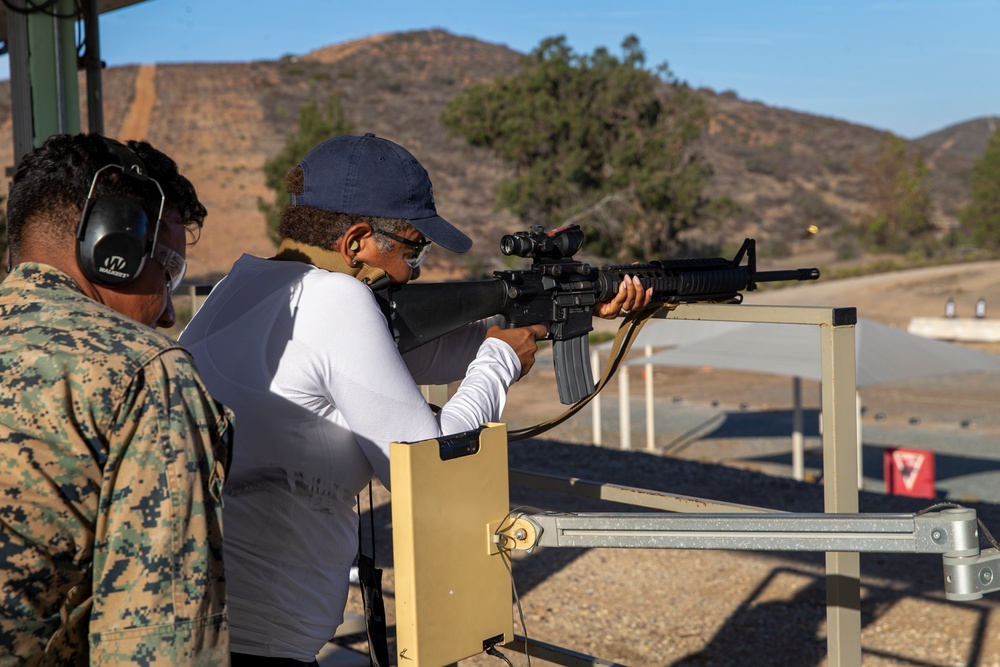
pixel 787 274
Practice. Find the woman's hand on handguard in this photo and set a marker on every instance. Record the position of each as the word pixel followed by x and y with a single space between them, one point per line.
pixel 631 296
pixel 523 340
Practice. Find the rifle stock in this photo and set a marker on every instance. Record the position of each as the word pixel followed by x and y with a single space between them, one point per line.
pixel 419 313
pixel 561 293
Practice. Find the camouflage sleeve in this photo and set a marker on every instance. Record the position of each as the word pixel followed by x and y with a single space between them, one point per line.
pixel 159 589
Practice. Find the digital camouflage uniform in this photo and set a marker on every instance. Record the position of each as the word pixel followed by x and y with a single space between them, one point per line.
pixel 112 460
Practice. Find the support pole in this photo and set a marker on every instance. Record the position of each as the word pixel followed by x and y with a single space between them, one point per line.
pixel 93 67
pixel 840 482
pixel 861 470
pixel 650 411
pixel 595 402
pixel 55 93
pixel 798 443
pixel 840 449
pixel 20 82
pixel 624 411
pixel 44 88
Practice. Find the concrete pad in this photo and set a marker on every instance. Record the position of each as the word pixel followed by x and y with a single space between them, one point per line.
pixel 968 329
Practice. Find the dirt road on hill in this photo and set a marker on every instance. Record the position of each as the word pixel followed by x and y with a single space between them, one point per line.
pixel 136 123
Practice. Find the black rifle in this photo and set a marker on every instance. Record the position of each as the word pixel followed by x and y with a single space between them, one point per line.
pixel 561 293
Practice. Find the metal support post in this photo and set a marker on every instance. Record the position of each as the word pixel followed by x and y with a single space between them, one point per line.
pixel 55 93
pixel 44 88
pixel 840 490
pixel 595 403
pixel 624 408
pixel 20 81
pixel 798 441
pixel 650 421
pixel 840 448
pixel 93 67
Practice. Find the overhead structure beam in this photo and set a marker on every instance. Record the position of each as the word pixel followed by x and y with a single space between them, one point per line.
pixel 45 94
pixel 42 45
pixel 92 65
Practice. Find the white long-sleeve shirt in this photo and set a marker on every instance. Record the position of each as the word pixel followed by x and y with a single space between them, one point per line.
pixel 306 362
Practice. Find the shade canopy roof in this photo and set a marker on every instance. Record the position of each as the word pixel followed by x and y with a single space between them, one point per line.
pixel 103 6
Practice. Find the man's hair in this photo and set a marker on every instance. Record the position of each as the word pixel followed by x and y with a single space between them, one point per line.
pixel 317 227
pixel 51 183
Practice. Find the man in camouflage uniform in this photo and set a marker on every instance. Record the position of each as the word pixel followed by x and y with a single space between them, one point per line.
pixel 112 453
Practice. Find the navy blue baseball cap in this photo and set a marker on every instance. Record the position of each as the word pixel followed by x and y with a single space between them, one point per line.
pixel 372 176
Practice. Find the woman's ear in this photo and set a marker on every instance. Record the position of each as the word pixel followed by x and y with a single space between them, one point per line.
pixel 352 242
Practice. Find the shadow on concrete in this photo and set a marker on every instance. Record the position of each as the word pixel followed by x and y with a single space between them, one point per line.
pixel 765 424
pixel 751 629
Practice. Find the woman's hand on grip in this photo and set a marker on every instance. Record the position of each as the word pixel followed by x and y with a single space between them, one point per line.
pixel 523 340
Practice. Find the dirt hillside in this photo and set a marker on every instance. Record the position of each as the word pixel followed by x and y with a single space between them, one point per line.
pixel 785 170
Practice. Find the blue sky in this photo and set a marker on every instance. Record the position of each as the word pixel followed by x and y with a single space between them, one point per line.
pixel 911 67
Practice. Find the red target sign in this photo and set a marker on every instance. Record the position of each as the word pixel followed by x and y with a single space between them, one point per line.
pixel 909 472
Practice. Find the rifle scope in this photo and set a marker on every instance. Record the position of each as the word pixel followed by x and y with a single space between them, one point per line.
pixel 560 243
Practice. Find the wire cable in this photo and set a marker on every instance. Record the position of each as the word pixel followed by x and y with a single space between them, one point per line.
pixel 508 563
pixel 983 530
pixel 492 650
pixel 505 556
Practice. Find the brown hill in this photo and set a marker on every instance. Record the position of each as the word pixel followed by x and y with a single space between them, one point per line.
pixel 950 153
pixel 222 121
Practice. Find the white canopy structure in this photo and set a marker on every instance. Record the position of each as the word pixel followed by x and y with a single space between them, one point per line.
pixel 883 353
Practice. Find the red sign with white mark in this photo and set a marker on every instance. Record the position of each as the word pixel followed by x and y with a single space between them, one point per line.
pixel 909 472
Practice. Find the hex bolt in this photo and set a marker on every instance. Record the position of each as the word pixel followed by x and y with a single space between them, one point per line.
pixel 520 534
pixel 939 535
pixel 986 576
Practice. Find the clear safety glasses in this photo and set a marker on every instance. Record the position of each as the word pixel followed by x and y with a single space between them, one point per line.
pixel 173 263
pixel 420 248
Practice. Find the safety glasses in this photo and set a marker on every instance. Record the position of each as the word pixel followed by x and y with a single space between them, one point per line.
pixel 173 263
pixel 420 248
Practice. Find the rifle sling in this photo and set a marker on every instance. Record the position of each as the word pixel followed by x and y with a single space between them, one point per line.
pixel 624 338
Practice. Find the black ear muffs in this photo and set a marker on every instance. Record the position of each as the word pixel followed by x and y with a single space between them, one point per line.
pixel 115 236
pixel 114 242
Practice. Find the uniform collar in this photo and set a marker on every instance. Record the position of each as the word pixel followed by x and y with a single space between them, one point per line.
pixel 37 274
pixel 329 260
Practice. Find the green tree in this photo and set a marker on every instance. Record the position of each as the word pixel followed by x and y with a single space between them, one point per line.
pixel 315 126
pixel 899 198
pixel 981 216
pixel 594 139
